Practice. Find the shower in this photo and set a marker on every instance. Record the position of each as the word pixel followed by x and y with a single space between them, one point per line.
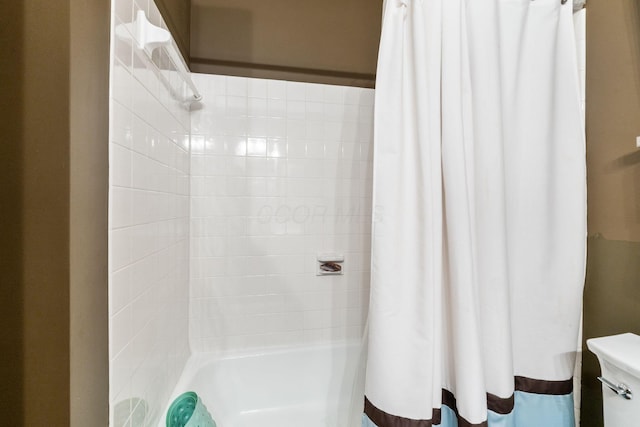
pixel 268 256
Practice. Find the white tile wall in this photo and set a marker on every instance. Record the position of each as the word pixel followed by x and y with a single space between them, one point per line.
pixel 281 171
pixel 149 231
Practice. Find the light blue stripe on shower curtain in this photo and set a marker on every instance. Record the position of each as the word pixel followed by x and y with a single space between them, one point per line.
pixel 531 410
pixel 536 410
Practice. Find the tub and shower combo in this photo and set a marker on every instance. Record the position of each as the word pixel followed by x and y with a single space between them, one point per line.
pixel 267 255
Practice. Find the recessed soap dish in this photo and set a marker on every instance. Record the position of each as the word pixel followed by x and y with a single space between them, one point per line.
pixel 330 264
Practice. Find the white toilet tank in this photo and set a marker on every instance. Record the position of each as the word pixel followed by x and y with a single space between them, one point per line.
pixel 619 357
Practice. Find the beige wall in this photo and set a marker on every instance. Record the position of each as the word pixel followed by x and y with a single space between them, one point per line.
pixel 11 222
pixel 323 41
pixel 177 15
pixel 612 291
pixel 53 244
pixel 88 214
pixel 613 118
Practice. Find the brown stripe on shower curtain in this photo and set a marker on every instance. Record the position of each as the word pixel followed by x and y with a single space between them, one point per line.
pixel 499 405
pixel 383 419
pixel 449 400
pixel 555 388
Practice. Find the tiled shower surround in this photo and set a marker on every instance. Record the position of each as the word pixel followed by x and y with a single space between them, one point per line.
pixel 148 230
pixel 217 216
pixel 280 172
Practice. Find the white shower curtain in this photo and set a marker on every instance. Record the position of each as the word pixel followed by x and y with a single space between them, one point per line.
pixel 479 216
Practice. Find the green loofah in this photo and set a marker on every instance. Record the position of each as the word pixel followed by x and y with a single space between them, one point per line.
pixel 187 410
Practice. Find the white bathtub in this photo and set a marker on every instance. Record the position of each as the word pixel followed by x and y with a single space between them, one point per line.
pixel 296 387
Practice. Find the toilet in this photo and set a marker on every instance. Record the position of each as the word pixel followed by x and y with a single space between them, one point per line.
pixel 619 357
